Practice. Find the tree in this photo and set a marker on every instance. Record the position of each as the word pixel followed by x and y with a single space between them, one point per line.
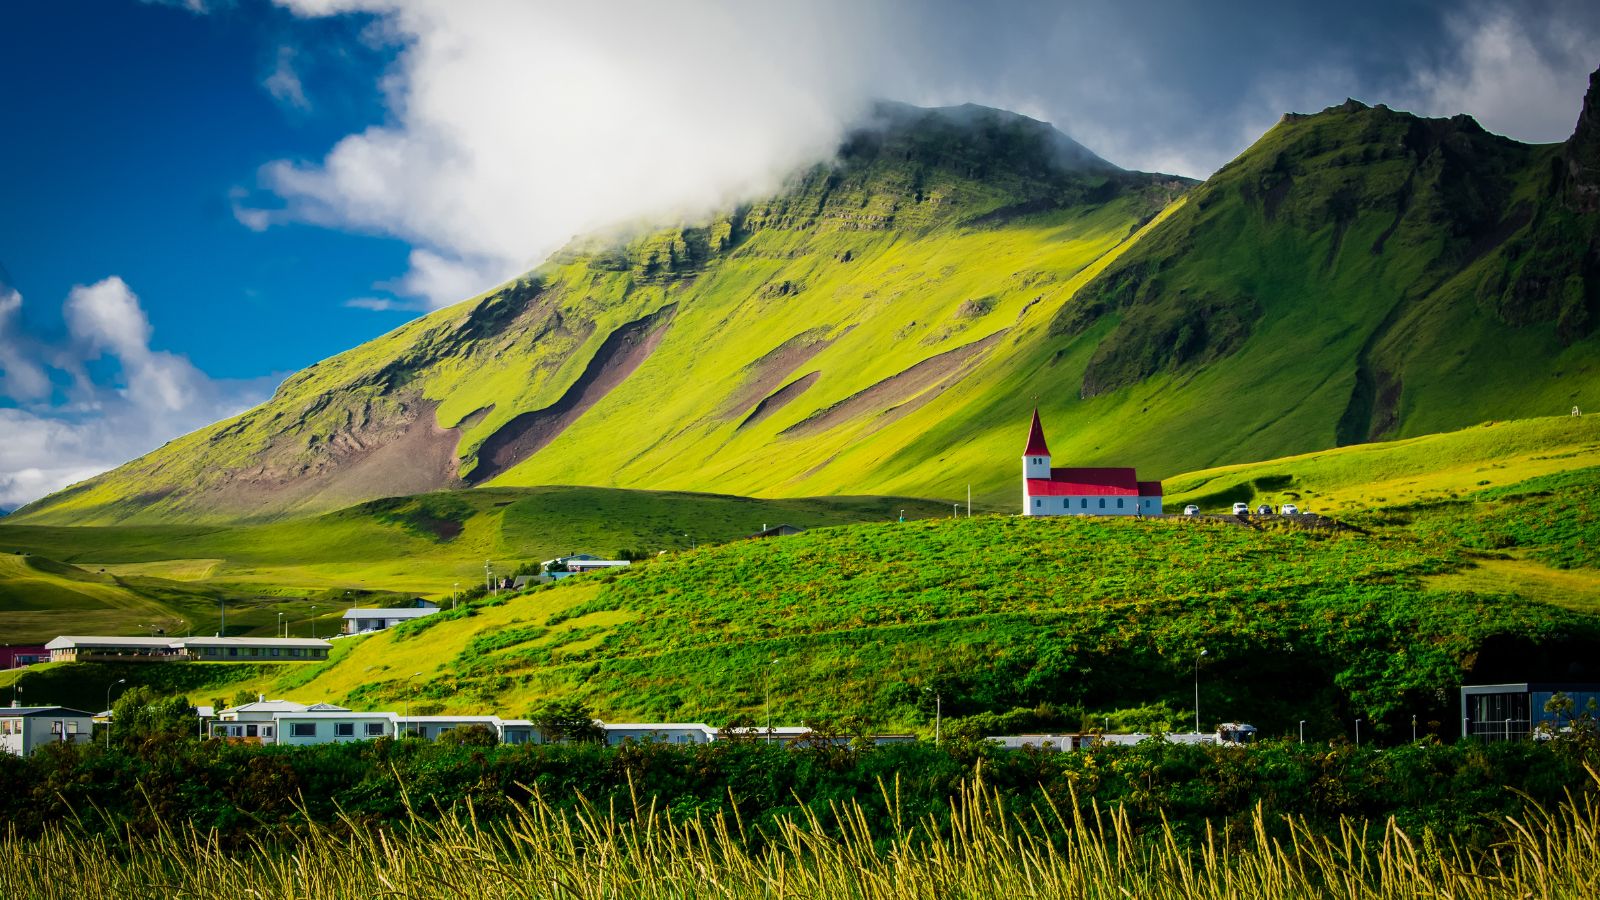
pixel 470 736
pixel 140 716
pixel 567 721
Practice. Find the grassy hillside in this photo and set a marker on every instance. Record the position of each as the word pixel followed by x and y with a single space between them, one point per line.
pixel 1475 548
pixel 123 579
pixel 1414 470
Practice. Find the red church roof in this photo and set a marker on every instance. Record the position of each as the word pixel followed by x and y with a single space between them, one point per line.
pixel 1149 488
pixel 1036 444
pixel 1085 482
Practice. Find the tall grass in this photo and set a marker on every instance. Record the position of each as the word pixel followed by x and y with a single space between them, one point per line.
pixel 598 853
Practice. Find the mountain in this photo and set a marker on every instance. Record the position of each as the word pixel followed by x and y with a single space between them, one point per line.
pixel 885 322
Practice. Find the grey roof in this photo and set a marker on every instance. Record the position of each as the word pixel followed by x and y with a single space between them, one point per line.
pixel 252 642
pixel 406 613
pixel 69 641
pixel 13 712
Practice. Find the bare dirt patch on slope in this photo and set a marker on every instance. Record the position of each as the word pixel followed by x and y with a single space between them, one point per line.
pixel 767 373
pixel 526 434
pixel 778 399
pixel 899 393
pixel 400 450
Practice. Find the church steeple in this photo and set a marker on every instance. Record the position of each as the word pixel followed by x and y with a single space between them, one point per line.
pixel 1036 458
pixel 1036 444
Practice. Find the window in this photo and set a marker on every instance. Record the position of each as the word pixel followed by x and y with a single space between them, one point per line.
pixel 1119 503
pixel 275 651
pixel 251 731
pixel 233 651
pixel 72 727
pixel 303 729
pixel 266 731
pixel 374 729
pixel 344 729
pixel 1083 502
pixel 1102 503
pixel 1037 503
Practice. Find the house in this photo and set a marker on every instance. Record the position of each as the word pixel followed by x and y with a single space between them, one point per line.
pixel 249 649
pixel 777 734
pixel 96 648
pixel 1049 491
pixel 777 531
pixel 364 621
pixel 257 722
pixel 580 566
pixel 561 562
pixel 15 656
pixel 24 729
pixel 1506 712
pixel 660 732
pixel 335 726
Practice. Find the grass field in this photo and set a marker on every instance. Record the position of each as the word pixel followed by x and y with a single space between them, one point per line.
pixel 1044 621
pixel 124 579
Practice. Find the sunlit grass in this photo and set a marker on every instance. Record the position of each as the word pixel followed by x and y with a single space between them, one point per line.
pixel 541 851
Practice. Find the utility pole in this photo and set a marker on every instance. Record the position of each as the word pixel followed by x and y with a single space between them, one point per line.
pixel 223 605
pixel 1197 692
pixel 969 501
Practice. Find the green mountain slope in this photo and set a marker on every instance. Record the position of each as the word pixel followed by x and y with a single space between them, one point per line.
pixel 884 325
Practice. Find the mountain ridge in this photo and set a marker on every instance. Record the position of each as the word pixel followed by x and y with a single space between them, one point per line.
pixel 1350 273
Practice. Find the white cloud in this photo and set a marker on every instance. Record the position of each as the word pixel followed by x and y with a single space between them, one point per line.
pixel 516 125
pixel 1518 75
pixel 284 82
pixel 153 396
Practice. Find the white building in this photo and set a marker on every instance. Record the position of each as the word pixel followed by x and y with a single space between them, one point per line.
pixel 660 732
pixel 100 648
pixel 257 722
pixel 580 566
pixel 1048 491
pixel 331 726
pixel 363 621
pixel 24 729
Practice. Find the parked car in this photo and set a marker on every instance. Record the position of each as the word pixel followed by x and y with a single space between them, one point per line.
pixel 1241 509
pixel 1264 510
pixel 1191 510
pixel 1289 509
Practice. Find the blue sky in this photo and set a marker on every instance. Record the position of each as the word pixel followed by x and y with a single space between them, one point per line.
pixel 200 196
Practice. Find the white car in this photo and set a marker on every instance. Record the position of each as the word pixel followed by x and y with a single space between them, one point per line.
pixel 1241 509
pixel 1191 510
pixel 1289 509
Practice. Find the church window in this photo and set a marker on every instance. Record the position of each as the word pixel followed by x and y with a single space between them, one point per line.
pixel 1102 503
pixel 1119 503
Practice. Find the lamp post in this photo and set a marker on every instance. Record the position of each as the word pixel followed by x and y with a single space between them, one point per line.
pixel 938 712
pixel 108 708
pixel 488 577
pixel 1413 728
pixel 767 683
pixel 1197 691
pixel 455 595
pixel 281 632
pixel 314 623
pixel 408 695
pixel 1358 732
pixel 1302 731
pixel 222 629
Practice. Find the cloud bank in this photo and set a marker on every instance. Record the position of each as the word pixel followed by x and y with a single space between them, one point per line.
pixel 518 125
pixel 63 426
pixel 515 125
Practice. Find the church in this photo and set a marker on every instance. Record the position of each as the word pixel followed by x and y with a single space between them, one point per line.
pixel 1081 492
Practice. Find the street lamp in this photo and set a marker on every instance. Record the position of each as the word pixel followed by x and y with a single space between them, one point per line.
pixel 766 680
pixel 1302 731
pixel 408 695
pixel 938 712
pixel 109 717
pixel 1413 728
pixel 222 630
pixel 1197 692
pixel 1358 732
pixel 455 595
pixel 281 632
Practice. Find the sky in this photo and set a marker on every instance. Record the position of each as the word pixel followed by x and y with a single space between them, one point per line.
pixel 198 197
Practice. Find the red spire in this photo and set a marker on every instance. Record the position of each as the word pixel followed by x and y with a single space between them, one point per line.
pixel 1036 444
